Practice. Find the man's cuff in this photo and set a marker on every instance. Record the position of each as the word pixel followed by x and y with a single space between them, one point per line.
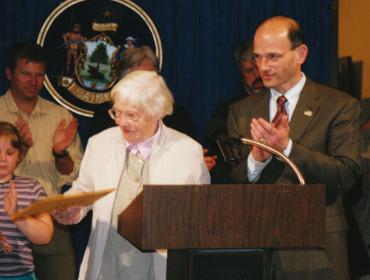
pixel 288 149
pixel 255 167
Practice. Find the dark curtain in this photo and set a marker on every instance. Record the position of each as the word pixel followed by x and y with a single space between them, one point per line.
pixel 199 38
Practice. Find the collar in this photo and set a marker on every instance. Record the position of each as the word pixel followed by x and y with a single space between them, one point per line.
pixel 292 92
pixel 144 148
pixel 8 181
pixel 13 108
pixel 292 96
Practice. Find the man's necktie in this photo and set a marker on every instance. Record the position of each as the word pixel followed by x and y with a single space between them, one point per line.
pixel 281 111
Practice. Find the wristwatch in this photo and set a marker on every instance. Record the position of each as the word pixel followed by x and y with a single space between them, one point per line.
pixel 60 155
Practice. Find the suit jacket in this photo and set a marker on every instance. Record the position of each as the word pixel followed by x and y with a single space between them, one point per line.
pixel 324 129
pixel 175 159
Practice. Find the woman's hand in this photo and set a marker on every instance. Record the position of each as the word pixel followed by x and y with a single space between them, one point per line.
pixel 67 216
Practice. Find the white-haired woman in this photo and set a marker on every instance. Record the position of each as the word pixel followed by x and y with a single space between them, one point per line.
pixel 140 150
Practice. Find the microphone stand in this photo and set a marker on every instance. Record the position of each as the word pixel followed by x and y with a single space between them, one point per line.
pixel 283 157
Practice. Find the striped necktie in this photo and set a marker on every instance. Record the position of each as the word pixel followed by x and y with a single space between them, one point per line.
pixel 281 111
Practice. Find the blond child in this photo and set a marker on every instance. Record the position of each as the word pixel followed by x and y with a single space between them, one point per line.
pixel 17 192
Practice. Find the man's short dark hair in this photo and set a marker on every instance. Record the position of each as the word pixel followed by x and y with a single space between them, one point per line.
pixel 296 35
pixel 25 50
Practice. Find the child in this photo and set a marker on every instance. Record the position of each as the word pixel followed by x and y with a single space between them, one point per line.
pixel 17 192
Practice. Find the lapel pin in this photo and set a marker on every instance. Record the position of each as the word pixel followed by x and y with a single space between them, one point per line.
pixel 308 113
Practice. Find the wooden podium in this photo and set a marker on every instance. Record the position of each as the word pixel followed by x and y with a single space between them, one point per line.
pixel 225 216
pixel 192 220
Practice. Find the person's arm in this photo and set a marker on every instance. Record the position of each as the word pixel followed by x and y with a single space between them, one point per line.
pixel 199 168
pixel 63 162
pixel 338 167
pixel 38 229
pixel 329 152
pixel 246 169
pixel 25 134
pixel 84 183
pixel 62 139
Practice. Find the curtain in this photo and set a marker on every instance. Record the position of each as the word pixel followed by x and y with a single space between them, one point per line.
pixel 199 38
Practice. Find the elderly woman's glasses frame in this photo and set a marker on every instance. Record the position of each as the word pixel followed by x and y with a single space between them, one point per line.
pixel 131 116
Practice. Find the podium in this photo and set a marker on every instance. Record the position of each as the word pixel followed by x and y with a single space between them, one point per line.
pixel 186 219
pixel 225 216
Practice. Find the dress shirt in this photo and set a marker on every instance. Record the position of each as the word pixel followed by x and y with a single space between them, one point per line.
pixel 255 167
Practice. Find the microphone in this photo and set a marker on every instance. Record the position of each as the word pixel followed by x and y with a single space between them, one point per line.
pixel 226 145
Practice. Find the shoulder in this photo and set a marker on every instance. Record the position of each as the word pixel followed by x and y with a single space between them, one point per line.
pixel 330 97
pixel 106 137
pixel 25 180
pixel 178 139
pixel 250 101
pixel 29 185
pixel 51 108
pixel 332 101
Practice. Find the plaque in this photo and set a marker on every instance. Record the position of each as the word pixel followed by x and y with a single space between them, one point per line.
pixel 61 201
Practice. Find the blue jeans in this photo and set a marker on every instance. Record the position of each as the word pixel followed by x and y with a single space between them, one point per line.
pixel 28 276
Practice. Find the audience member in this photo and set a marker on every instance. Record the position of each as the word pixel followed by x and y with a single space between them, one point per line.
pixel 50 146
pixel 17 192
pixel 250 77
pixel 139 150
pixel 317 127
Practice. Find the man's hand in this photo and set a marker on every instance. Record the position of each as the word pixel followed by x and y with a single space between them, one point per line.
pixel 4 245
pixel 64 135
pixel 275 136
pixel 25 134
pixel 210 161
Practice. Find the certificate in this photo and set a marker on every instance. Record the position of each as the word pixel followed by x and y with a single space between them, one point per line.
pixel 61 201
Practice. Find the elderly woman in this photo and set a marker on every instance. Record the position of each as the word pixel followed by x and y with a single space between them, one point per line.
pixel 139 150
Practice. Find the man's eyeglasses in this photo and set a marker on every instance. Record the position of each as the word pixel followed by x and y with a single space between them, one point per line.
pixel 117 114
pixel 270 57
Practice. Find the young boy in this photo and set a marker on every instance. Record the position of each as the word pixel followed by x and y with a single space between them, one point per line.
pixel 17 192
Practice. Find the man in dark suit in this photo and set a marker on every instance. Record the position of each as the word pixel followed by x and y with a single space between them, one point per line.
pixel 318 128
